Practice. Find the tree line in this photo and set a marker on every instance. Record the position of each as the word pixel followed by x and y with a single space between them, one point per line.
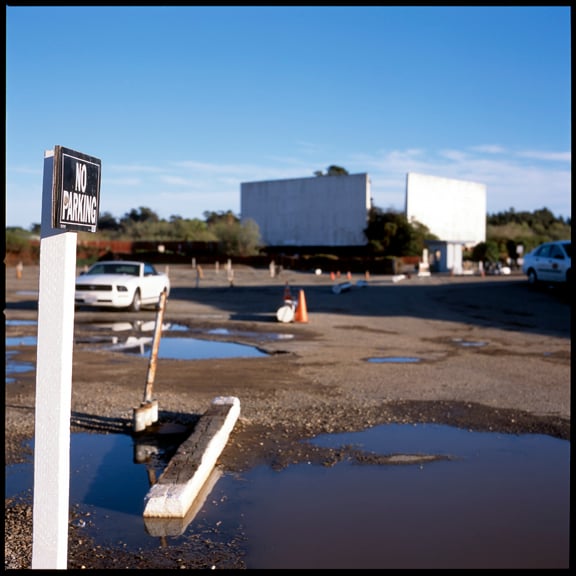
pixel 510 234
pixel 388 232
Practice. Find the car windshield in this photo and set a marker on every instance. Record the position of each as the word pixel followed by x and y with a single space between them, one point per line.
pixel 567 248
pixel 119 268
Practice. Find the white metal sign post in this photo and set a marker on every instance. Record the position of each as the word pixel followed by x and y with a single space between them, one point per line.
pixel 70 198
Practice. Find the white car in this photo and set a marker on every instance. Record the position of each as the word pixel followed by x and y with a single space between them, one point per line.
pixel 121 284
pixel 549 262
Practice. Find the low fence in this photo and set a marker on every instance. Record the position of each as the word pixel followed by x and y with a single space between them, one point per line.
pixel 204 253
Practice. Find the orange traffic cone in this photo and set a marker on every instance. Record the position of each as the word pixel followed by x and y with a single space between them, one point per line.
pixel 301 314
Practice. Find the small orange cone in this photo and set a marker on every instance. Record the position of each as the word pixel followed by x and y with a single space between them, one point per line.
pixel 301 314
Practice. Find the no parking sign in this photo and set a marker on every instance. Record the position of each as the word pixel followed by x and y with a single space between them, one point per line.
pixel 75 190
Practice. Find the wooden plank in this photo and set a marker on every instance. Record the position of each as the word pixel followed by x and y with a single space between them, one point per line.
pixel 190 467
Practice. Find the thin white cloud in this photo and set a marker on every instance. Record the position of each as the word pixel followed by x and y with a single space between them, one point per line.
pixel 212 168
pixel 23 170
pixel 553 156
pixel 121 182
pixel 308 148
pixel 177 181
pixel 489 149
pixel 249 172
pixel 455 156
pixel 531 154
pixel 139 168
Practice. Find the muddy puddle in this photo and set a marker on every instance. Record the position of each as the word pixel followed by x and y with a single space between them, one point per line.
pixel 455 499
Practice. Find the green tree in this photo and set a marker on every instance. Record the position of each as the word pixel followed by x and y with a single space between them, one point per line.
pixel 332 170
pixel 237 238
pixel 511 229
pixel 107 222
pixel 487 252
pixel 143 214
pixel 190 230
pixel 141 224
pixel 17 240
pixel 392 234
pixel 337 171
pixel 215 217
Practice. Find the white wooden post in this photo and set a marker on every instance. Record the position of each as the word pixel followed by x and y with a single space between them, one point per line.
pixel 53 386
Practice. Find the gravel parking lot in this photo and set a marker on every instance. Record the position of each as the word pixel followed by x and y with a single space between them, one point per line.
pixel 493 354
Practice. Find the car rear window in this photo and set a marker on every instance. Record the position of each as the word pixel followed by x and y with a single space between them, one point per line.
pixel 131 270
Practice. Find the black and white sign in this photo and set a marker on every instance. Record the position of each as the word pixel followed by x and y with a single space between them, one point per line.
pixel 76 190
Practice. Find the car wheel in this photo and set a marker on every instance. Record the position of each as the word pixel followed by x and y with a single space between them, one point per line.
pixel 532 278
pixel 136 302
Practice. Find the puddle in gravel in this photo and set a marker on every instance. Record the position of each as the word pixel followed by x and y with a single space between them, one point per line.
pixel 136 326
pixel 172 348
pixel 21 323
pixel 262 336
pixel 21 341
pixel 188 348
pixel 490 501
pixel 175 348
pixel 13 367
pixel 468 343
pixel 393 359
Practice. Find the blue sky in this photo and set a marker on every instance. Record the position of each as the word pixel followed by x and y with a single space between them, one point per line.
pixel 182 104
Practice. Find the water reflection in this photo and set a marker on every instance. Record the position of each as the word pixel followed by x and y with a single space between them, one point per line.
pixel 498 501
pixel 479 510
pixel 468 343
pixel 13 367
pixel 21 341
pixel 189 349
pixel 393 359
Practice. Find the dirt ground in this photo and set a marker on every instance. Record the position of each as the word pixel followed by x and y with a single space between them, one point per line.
pixel 493 354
